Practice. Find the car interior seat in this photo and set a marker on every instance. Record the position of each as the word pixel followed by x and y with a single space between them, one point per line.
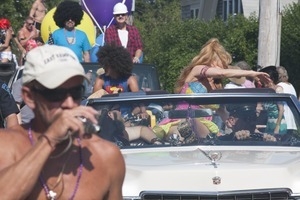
pixel 6 71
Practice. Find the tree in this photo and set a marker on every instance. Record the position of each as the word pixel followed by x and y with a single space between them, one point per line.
pixel 241 38
pixel 290 39
pixel 171 43
pixel 17 10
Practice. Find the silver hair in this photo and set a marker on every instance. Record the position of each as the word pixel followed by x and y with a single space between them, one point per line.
pixel 283 74
pixel 243 65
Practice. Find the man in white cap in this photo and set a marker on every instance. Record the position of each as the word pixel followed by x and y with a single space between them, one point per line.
pixel 123 34
pixel 52 157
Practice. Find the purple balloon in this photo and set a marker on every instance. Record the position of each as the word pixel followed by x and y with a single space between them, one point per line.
pixel 101 11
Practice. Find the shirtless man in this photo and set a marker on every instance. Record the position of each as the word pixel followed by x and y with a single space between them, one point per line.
pixel 27 32
pixel 38 12
pixel 53 157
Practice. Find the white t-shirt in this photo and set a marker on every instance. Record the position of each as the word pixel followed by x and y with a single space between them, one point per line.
pixel 232 85
pixel 123 35
pixel 288 115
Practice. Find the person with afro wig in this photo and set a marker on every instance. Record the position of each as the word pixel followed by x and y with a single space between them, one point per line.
pixel 67 16
pixel 117 64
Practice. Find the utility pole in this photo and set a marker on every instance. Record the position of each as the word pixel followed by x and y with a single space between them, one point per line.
pixel 269 33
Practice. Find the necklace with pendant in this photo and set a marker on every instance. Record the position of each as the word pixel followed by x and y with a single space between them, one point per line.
pixel 70 40
pixel 50 194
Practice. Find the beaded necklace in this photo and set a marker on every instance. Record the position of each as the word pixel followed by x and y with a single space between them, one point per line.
pixel 51 195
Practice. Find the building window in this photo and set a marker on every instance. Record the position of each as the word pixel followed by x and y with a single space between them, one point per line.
pixel 194 13
pixel 231 7
pixel 185 12
pixel 197 13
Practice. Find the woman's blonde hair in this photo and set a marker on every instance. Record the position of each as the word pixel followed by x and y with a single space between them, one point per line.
pixel 211 51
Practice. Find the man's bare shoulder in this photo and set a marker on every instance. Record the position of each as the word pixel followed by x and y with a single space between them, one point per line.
pixel 97 143
pixel 106 156
pixel 14 135
pixel 103 149
pixel 14 144
pixel 21 31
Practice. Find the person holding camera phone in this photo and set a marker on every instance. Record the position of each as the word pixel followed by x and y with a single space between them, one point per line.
pixel 52 157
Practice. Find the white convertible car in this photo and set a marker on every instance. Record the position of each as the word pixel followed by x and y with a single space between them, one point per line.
pixel 233 144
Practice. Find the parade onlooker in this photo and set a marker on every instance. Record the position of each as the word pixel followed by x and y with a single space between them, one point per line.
pixel 28 32
pixel 235 82
pixel 21 49
pixel 123 34
pixel 65 161
pixel 37 12
pixel 276 121
pixel 5 40
pixel 8 107
pixel 67 16
pixel 283 78
pixel 25 114
pixel 249 83
pixel 289 89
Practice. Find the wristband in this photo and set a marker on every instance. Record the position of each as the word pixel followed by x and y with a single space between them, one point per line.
pixel 48 140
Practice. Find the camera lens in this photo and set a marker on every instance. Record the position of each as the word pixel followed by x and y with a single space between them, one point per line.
pixel 89 127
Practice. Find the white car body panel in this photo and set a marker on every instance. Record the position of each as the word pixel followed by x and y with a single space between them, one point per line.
pixel 188 169
pixel 247 161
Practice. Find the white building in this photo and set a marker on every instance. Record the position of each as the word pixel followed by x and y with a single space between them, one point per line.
pixel 208 9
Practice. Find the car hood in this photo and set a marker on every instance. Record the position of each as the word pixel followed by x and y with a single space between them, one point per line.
pixel 211 169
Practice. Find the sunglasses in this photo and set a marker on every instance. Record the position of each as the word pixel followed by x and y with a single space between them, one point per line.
pixel 60 94
pixel 120 15
pixel 30 24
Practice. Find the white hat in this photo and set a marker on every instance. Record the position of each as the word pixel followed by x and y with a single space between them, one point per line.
pixel 51 66
pixel 120 8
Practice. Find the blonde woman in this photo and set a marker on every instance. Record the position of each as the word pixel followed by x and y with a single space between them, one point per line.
pixel 205 73
pixel 210 66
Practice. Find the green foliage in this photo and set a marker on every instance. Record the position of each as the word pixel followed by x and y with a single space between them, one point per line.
pixel 17 10
pixel 171 43
pixel 290 39
pixel 241 38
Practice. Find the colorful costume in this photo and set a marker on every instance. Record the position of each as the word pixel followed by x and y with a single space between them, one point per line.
pixel 112 86
pixel 76 40
pixel 273 112
pixel 189 88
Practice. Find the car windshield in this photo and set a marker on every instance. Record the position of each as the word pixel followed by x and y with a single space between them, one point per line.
pixel 142 121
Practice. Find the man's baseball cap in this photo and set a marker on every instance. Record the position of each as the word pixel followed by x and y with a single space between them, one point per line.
pixel 51 66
